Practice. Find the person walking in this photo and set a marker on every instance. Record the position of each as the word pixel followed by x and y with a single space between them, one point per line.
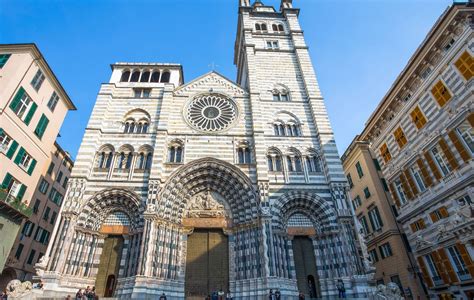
pixel 79 294
pixel 214 296
pixel 271 295
pixel 163 296
pixel 301 296
pixel 228 296
pixel 341 289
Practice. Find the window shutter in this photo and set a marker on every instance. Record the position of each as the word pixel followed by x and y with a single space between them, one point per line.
pixel 413 227
pixel 459 145
pixel 451 159
pixel 405 186
pixel 433 217
pixel 1 130
pixel 6 181
pixel 21 192
pixel 16 99
pixel 447 266
pixel 372 221
pixel 466 258
pixel 441 269
pixel 471 119
pixel 444 212
pixel 424 172
pixel 432 165
pixel 30 114
pixel 411 182
pixel 424 271
pixel 32 166
pixel 19 156
pixel 12 149
pixel 41 127
pixel 378 216
pixel 394 194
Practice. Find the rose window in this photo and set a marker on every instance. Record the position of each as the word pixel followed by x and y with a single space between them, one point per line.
pixel 211 112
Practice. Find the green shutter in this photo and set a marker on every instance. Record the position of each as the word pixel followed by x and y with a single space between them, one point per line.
pixel 16 99
pixel 1 130
pixel 41 127
pixel 30 114
pixel 12 149
pixel 19 156
pixel 21 192
pixel 6 181
pixel 32 166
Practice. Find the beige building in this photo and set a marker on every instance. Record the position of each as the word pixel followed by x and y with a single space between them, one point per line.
pixel 33 105
pixel 34 236
pixel 386 243
pixel 422 135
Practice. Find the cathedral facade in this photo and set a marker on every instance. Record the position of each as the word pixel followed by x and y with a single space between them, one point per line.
pixel 188 188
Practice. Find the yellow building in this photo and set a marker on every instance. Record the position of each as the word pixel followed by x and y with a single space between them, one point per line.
pixel 386 244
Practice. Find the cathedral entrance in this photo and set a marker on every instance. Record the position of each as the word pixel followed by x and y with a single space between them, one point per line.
pixel 207 263
pixel 305 265
pixel 109 265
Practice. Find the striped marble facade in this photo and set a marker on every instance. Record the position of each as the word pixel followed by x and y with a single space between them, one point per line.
pixel 260 205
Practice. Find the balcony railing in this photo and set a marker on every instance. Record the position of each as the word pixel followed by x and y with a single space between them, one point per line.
pixel 15 203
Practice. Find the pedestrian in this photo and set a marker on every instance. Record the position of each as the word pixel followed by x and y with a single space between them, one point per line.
pixel 220 294
pixel 214 296
pixel 208 297
pixel 271 295
pixel 68 297
pixel 277 294
pixel 79 294
pixel 228 296
pixel 163 296
pixel 301 296
pixel 341 289
pixel 3 295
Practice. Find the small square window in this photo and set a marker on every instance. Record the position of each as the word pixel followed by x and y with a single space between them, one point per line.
pixel 38 80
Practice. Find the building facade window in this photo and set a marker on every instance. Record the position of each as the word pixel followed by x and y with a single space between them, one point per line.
pixel 466 132
pixel 5 142
pixel 359 169
pixel 3 59
pixel 464 64
pixel 38 80
pixel 19 250
pixel 274 162
pixel 418 118
pixel 441 93
pixel 366 193
pixel 44 186
pixel 459 263
pixel 385 153
pixel 313 164
pixel 23 106
pixel 141 93
pixel 349 179
pixel 365 225
pixel 416 173
pixel 274 45
pixel 36 206
pixel 294 163
pixel 438 214
pixel 400 137
pixel 373 256
pixel 385 250
pixel 31 257
pixel 41 126
pixel 175 154
pixel 243 155
pixel 53 101
pixel 46 213
pixel 357 202
pixel 375 219
pixel 440 161
pixel 418 225
pixel 432 268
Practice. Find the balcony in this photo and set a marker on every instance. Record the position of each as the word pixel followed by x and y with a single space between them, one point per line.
pixel 13 205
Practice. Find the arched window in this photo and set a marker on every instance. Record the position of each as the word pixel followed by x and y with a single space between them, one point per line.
pixel 145 76
pixel 244 156
pixel 280 28
pixel 293 130
pixel 274 27
pixel 139 128
pixel 264 27
pixel 141 161
pixel 281 130
pixel 280 93
pixel 145 128
pixel 101 160
pixel 313 164
pixel 104 157
pixel 128 163
pixel 165 77
pixel 274 161
pixel 175 153
pixel 293 161
pixel 125 129
pixel 125 76
pixel 257 27
pixel 275 129
pixel 121 161
pixel 149 158
pixel 131 128
pixel 135 76
pixel 155 77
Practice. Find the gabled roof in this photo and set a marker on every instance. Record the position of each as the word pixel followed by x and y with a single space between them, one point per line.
pixel 217 77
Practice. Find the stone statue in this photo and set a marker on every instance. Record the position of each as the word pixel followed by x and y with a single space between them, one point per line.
pixel 41 265
pixel 368 264
pixel 204 205
pixel 18 289
pixel 389 292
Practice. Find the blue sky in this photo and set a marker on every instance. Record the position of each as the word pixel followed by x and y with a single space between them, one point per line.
pixel 358 47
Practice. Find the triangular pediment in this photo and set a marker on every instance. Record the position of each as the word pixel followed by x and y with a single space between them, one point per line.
pixel 210 82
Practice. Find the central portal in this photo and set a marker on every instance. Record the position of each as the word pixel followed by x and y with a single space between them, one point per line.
pixel 207 263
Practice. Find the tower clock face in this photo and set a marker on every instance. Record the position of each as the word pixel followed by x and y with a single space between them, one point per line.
pixel 211 112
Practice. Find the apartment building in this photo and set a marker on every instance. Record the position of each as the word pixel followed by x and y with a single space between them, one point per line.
pixel 33 105
pixel 34 236
pixel 422 135
pixel 387 246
